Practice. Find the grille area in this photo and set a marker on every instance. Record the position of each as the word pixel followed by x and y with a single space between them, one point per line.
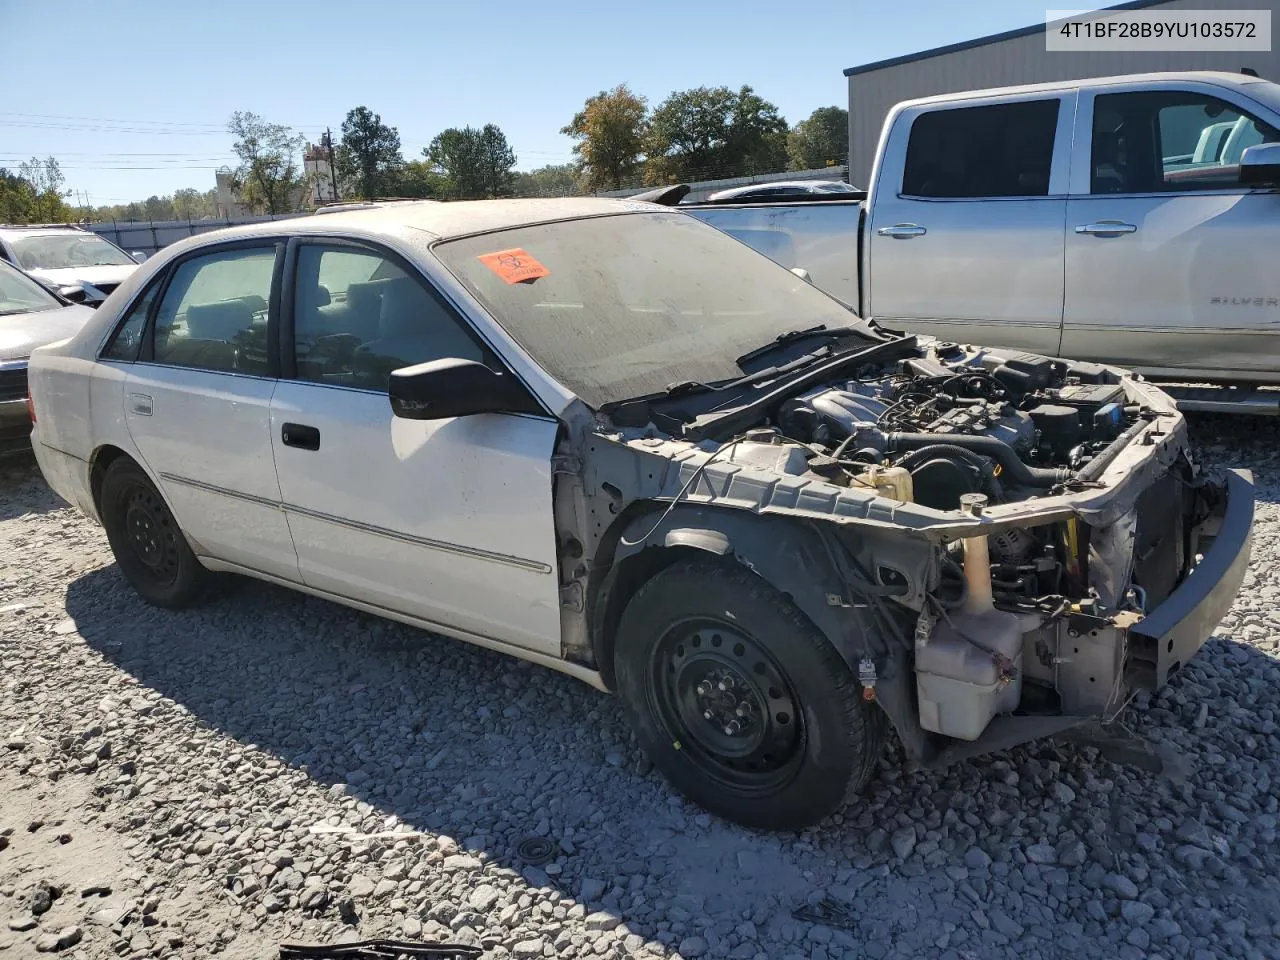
pixel 13 383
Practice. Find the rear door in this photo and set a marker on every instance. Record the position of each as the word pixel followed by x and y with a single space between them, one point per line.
pixel 1170 262
pixel 198 403
pixel 965 236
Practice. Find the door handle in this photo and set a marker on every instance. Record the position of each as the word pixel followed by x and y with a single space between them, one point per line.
pixel 1107 228
pixel 903 231
pixel 140 404
pixel 301 436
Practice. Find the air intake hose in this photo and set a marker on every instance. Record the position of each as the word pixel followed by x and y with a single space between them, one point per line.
pixel 1014 471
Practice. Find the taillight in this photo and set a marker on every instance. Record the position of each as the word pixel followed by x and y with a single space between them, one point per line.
pixel 31 406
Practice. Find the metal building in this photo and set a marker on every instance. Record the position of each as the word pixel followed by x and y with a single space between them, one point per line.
pixel 1017 57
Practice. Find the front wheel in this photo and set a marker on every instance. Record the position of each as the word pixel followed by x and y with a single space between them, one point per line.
pixel 739 700
pixel 148 546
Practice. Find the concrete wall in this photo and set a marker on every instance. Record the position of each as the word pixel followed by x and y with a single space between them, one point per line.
pixel 1019 60
pixel 704 188
pixel 150 237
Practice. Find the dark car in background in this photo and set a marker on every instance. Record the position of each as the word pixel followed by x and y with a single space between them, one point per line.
pixel 30 317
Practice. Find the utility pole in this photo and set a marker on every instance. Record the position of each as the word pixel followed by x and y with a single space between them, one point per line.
pixel 333 170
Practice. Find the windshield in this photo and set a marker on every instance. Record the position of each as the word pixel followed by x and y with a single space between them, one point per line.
pixel 20 294
pixel 623 306
pixel 53 251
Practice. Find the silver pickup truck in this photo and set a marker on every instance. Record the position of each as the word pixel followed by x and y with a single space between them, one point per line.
pixel 1127 220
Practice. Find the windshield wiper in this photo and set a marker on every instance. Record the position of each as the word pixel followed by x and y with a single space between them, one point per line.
pixel 685 387
pixel 790 336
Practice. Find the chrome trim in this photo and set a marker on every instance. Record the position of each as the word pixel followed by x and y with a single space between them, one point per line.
pixel 534 566
pixel 213 488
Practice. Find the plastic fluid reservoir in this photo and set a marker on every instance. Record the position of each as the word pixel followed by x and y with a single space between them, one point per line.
pixel 893 483
pixel 969 667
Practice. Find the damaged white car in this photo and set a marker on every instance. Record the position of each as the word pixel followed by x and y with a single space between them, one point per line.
pixel 608 438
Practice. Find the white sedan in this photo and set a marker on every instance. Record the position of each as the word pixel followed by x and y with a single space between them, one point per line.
pixel 605 437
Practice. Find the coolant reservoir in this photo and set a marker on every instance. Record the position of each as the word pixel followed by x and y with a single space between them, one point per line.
pixel 969 666
pixel 894 483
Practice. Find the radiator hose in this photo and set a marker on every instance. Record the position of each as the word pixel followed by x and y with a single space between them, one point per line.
pixel 1013 470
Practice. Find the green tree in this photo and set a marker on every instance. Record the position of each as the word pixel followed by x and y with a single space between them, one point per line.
pixel 476 164
pixel 192 204
pixel 417 179
pixel 35 194
pixel 158 208
pixel 820 141
pixel 368 155
pixel 610 132
pixel 713 132
pixel 553 180
pixel 269 177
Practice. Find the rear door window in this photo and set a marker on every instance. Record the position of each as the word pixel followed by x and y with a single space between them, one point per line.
pixel 1003 150
pixel 213 316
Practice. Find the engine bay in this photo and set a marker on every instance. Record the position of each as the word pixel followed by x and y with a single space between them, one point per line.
pixel 931 431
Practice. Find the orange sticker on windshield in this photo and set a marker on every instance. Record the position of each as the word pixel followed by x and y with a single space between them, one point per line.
pixel 514 266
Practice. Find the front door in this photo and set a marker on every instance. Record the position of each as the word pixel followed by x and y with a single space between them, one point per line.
pixel 1169 259
pixel 449 521
pixel 965 235
pixel 198 405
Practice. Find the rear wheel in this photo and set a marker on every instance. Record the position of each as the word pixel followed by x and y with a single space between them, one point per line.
pixel 148 546
pixel 739 700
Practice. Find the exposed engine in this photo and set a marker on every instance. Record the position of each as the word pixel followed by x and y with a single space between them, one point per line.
pixel 942 425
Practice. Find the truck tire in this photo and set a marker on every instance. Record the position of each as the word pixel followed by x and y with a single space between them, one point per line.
pixel 149 548
pixel 740 700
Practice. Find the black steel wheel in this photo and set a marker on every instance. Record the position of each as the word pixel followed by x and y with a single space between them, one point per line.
pixel 145 538
pixel 740 700
pixel 729 703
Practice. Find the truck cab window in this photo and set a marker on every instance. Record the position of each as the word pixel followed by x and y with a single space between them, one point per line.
pixel 1004 150
pixel 1160 141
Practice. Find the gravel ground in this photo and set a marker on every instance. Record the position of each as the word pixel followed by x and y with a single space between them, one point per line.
pixel 275 768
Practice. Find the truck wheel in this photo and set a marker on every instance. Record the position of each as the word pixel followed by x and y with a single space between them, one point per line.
pixel 148 546
pixel 739 700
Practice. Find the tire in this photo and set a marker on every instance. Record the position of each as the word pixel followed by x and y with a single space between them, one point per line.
pixel 148 545
pixel 740 700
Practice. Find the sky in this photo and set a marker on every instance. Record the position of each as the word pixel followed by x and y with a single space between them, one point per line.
pixel 132 97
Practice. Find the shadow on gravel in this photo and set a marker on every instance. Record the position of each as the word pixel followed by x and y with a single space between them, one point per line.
pixel 458 740
pixel 22 488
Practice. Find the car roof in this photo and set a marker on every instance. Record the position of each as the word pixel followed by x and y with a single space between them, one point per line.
pixel 440 220
pixel 1218 77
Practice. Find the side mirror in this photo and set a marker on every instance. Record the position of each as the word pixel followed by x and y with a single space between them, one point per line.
pixel 802 273
pixel 1260 165
pixel 440 389
pixel 139 255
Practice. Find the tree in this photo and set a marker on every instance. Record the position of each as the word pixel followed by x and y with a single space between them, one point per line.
pixel 610 131
pixel 475 163
pixel 368 155
pixel 268 177
pixel 35 194
pixel 713 132
pixel 191 204
pixel 553 180
pixel 820 141
pixel 417 179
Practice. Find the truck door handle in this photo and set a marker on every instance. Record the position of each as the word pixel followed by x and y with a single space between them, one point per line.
pixel 301 436
pixel 903 231
pixel 140 404
pixel 1107 228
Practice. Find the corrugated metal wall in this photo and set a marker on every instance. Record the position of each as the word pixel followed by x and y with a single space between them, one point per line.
pixel 150 237
pixel 1022 60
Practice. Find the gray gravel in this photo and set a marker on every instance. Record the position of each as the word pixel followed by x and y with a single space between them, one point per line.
pixel 272 767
